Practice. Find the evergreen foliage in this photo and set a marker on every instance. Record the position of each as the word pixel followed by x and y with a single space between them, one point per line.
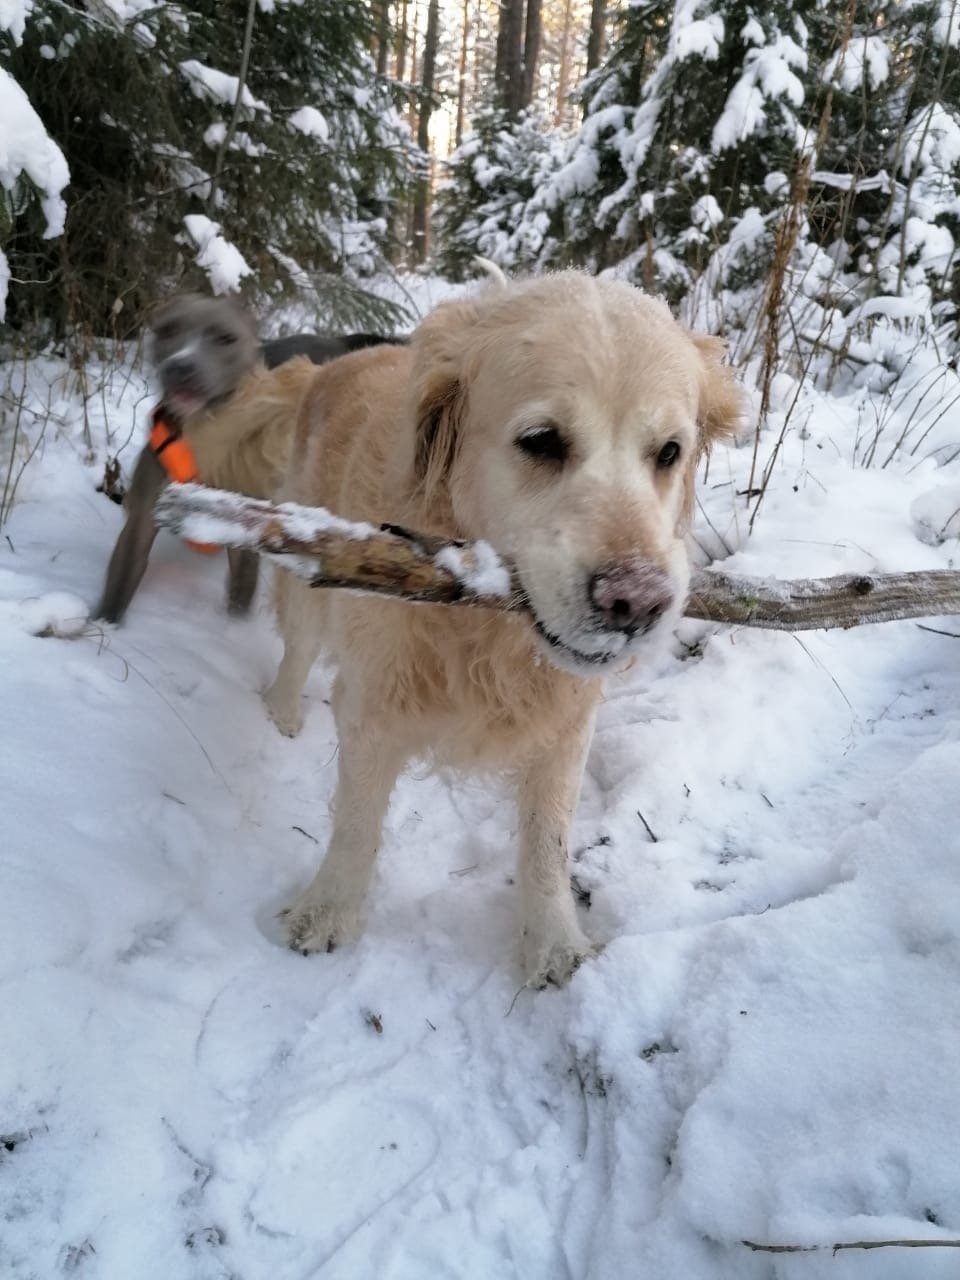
pixel 484 204
pixel 723 140
pixel 140 97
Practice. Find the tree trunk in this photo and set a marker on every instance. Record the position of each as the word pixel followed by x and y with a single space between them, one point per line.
pixel 596 40
pixel 563 78
pixel 462 76
pixel 412 112
pixel 330 552
pixel 531 51
pixel 477 42
pixel 509 71
pixel 413 42
pixel 402 35
pixel 383 36
pixel 422 193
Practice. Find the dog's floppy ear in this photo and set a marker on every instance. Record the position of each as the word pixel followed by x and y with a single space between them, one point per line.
pixel 440 347
pixel 721 407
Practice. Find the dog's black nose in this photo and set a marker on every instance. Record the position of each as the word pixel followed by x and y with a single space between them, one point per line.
pixel 630 597
pixel 180 371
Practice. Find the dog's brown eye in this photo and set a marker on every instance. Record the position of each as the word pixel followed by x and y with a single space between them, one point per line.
pixel 226 339
pixel 545 443
pixel 668 455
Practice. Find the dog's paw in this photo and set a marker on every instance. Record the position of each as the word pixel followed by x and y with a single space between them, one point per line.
pixel 288 718
pixel 314 926
pixel 553 962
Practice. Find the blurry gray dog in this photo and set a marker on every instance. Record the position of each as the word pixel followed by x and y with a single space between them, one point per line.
pixel 206 352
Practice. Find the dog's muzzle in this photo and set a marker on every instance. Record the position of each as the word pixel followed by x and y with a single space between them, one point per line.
pixel 624 602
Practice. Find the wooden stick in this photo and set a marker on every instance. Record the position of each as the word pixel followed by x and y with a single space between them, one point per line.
pixel 808 604
pixel 330 552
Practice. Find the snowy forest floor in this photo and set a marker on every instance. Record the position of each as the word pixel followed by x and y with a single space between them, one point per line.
pixel 767 843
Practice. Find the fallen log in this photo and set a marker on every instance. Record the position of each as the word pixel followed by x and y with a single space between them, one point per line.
pixel 328 551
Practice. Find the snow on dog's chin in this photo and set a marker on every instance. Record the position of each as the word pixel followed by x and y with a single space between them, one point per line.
pixel 577 658
pixel 583 650
pixel 569 636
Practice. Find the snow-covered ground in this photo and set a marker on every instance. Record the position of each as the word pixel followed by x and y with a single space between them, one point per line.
pixel 767 843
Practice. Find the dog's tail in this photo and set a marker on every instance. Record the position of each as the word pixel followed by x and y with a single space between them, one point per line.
pixel 492 270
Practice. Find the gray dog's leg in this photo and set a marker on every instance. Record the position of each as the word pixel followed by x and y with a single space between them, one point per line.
pixel 241 580
pixel 129 560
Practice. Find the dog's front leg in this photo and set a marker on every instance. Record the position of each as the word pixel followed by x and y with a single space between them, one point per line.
pixel 300 612
pixel 329 910
pixel 128 563
pixel 553 944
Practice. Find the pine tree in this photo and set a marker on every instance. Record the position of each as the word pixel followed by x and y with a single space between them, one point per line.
pixel 33 171
pixel 142 104
pixel 719 136
pixel 491 180
pixel 576 199
pixel 694 121
pixel 886 194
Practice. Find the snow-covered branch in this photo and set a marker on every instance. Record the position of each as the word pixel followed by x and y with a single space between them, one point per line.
pixel 330 552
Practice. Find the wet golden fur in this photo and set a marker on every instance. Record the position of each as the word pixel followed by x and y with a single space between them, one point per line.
pixel 426 437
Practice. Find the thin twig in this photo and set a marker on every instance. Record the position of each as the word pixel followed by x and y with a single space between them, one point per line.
pixel 518 993
pixel 166 701
pixel 237 104
pixel 935 631
pixel 649 830
pixel 850 1244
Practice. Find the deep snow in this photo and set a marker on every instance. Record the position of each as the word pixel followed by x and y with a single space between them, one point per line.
pixel 766 1049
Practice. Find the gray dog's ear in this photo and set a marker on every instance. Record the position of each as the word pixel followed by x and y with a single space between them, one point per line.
pixel 441 349
pixel 241 311
pixel 185 308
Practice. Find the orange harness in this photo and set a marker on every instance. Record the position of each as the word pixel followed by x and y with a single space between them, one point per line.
pixel 176 457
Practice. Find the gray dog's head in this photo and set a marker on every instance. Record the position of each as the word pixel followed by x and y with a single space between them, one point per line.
pixel 201 348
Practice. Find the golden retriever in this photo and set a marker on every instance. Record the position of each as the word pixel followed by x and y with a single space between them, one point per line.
pixel 560 419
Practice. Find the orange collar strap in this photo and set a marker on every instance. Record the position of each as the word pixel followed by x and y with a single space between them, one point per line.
pixel 174 454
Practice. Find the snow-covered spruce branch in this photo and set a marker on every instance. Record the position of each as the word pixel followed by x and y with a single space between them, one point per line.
pixel 330 552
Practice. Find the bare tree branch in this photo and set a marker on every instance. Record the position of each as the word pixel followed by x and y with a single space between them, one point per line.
pixel 330 552
pixel 809 604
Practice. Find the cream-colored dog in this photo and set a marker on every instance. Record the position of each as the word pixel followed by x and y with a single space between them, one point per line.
pixel 560 419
